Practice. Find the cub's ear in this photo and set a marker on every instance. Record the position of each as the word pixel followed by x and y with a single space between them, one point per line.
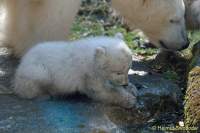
pixel 100 58
pixel 100 51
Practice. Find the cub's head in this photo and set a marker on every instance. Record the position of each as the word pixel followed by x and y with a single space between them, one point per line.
pixel 162 21
pixel 113 62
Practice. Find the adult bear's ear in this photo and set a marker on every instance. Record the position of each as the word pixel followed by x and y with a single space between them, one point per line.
pixel 119 35
pixel 100 57
pixel 144 2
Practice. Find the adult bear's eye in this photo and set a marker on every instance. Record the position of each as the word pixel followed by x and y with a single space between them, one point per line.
pixel 173 21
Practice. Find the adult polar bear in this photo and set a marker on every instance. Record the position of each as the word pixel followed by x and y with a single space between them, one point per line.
pixel 193 14
pixel 27 22
pixel 161 20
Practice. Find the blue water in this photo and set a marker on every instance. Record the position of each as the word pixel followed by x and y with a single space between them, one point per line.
pixel 62 114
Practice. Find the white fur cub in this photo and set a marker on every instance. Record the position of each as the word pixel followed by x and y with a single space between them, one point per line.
pixel 96 67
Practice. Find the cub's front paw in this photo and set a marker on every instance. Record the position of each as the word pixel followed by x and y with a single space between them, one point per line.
pixel 132 89
pixel 129 101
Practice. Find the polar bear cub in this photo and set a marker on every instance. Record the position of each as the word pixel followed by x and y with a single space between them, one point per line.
pixel 96 66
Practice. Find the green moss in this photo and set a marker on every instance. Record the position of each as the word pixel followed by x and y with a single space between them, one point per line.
pixel 192 104
pixel 95 18
pixel 194 37
pixel 170 75
pixel 81 126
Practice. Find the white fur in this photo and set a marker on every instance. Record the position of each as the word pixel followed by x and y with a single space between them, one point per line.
pixel 153 18
pixel 96 67
pixel 27 22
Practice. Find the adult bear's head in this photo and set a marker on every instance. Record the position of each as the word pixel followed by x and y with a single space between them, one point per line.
pixel 162 21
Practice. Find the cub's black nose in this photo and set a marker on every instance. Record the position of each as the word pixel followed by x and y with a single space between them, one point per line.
pixel 125 85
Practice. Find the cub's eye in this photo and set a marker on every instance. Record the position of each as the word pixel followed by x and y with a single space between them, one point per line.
pixel 119 73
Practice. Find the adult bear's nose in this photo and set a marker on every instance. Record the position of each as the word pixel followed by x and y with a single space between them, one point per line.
pixel 186 45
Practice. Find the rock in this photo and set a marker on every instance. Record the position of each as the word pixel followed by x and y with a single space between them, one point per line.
pixel 7 69
pixel 156 97
pixel 153 88
pixel 176 62
pixel 192 98
pixel 52 116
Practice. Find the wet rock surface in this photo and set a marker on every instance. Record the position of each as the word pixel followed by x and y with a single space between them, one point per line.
pixel 158 100
pixel 51 116
pixel 7 68
pixel 153 88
